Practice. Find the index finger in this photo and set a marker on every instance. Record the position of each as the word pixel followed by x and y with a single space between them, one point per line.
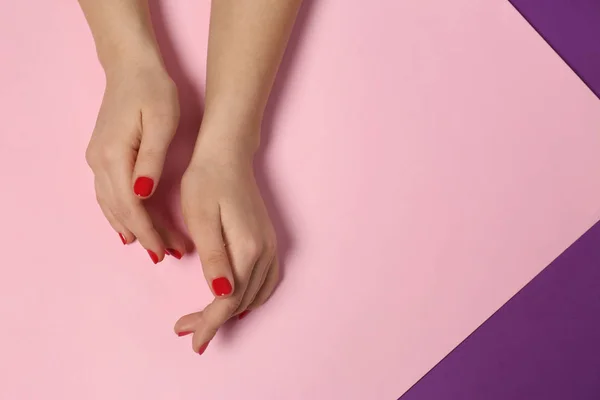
pixel 130 210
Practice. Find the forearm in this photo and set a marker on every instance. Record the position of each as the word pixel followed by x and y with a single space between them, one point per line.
pixel 123 32
pixel 246 43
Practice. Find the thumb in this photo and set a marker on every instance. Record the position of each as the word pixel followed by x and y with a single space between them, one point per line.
pixel 156 137
pixel 206 232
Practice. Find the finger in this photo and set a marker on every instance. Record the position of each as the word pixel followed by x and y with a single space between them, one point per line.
pixel 187 324
pixel 129 210
pixel 134 217
pixel 208 322
pixel 268 286
pixel 158 131
pixel 257 278
pixel 124 234
pixel 206 232
pixel 205 324
pixel 173 240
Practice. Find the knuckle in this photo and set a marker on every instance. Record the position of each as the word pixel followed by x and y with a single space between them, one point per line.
pixel 91 156
pixel 107 156
pixel 143 228
pixel 151 154
pixel 270 246
pixel 215 257
pixel 122 212
pixel 251 248
pixel 99 154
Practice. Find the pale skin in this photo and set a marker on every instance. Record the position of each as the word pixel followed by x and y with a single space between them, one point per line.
pixel 222 205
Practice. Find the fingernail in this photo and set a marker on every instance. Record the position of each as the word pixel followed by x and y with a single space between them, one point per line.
pixel 153 256
pixel 174 253
pixel 202 348
pixel 243 314
pixel 123 239
pixel 180 334
pixel 221 286
pixel 143 186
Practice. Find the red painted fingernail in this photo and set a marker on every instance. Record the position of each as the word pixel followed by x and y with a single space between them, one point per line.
pixel 153 256
pixel 143 186
pixel 174 253
pixel 243 314
pixel 221 286
pixel 123 239
pixel 180 334
pixel 202 348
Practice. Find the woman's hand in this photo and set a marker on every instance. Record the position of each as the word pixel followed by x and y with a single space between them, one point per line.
pixel 233 234
pixel 137 120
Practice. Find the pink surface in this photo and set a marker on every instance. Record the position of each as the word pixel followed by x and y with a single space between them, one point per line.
pixel 428 158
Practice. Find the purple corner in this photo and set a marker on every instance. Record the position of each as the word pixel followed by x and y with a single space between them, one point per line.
pixel 572 29
pixel 543 344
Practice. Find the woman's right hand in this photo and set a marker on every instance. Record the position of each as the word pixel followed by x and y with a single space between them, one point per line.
pixel 137 120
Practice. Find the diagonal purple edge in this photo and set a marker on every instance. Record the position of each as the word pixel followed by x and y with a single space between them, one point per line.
pixel 545 342
pixel 572 29
pixel 542 344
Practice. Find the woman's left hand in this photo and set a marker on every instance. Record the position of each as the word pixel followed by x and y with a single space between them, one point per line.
pixel 228 222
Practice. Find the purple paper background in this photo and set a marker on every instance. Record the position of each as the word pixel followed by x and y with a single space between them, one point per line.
pixel 572 28
pixel 544 344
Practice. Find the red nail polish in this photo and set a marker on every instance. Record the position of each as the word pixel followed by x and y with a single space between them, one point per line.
pixel 202 348
pixel 143 186
pixel 243 314
pixel 123 239
pixel 174 253
pixel 180 334
pixel 153 256
pixel 221 286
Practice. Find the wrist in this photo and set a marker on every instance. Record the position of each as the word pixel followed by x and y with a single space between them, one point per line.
pixel 129 70
pixel 128 55
pixel 226 144
pixel 224 127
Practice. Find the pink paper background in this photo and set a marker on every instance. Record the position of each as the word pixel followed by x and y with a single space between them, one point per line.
pixel 426 160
